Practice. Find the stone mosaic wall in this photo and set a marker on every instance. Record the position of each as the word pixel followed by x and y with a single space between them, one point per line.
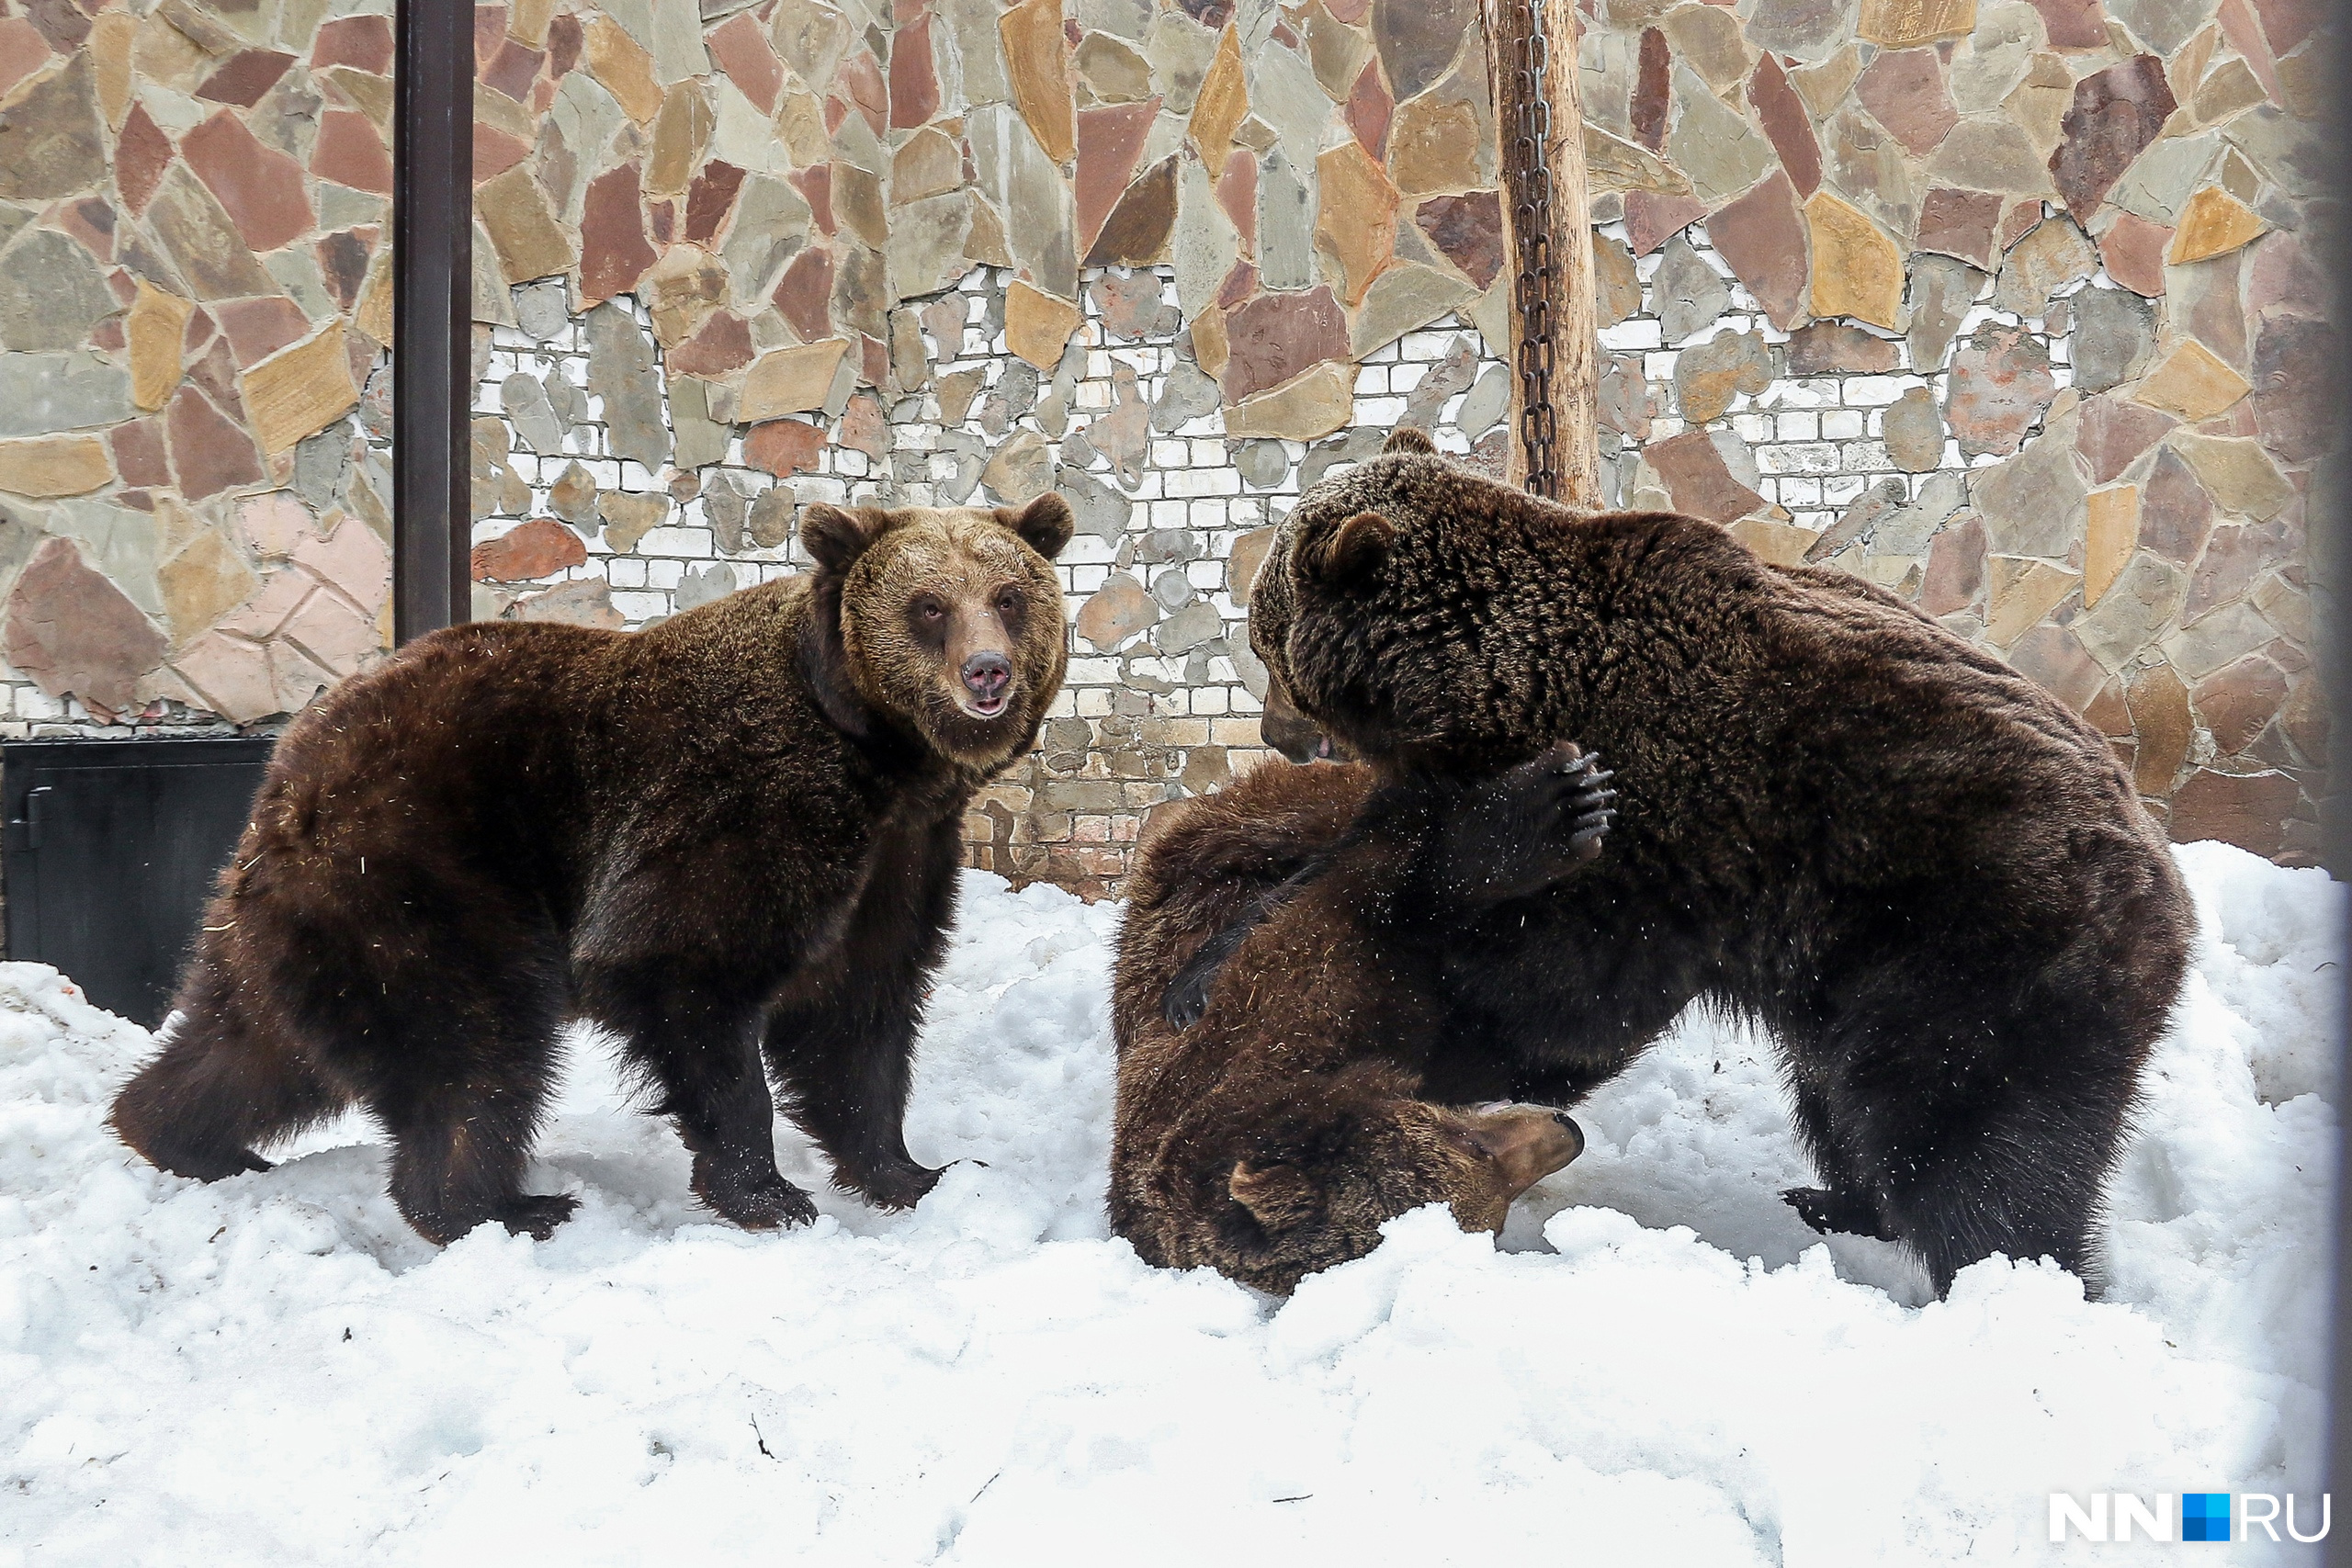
pixel 2012 307
pixel 193 523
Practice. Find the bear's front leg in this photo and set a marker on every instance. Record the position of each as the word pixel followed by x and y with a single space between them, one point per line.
pixel 841 1038
pixel 696 1037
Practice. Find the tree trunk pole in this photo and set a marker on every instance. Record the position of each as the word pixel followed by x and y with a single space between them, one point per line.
pixel 1560 298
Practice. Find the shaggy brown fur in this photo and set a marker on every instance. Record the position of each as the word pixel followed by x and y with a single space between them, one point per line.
pixel 1929 880
pixel 1320 1096
pixel 732 835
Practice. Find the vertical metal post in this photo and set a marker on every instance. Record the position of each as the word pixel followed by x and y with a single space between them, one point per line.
pixel 432 314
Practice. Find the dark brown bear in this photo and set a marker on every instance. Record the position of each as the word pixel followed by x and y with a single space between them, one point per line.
pixel 1925 877
pixel 731 836
pixel 1321 1095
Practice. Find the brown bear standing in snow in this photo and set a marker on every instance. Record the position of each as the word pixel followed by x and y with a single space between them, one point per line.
pixel 1323 1094
pixel 729 836
pixel 1927 878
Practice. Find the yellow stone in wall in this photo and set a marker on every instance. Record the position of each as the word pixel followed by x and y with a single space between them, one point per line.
pixel 1782 544
pixel 2110 537
pixel 1355 224
pixel 301 391
pixel 1856 271
pixel 2214 223
pixel 1223 99
pixel 1303 408
pixel 790 381
pixel 1037 324
pixel 2020 593
pixel 111 33
pixel 2191 382
pixel 621 67
pixel 50 465
pixel 1901 24
pixel 155 328
pixel 1036 58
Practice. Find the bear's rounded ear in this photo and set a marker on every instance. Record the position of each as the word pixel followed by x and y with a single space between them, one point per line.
pixel 1045 525
pixel 1406 438
pixel 1278 1196
pixel 834 536
pixel 1351 553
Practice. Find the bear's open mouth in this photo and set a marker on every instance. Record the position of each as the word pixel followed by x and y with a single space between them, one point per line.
pixel 986 707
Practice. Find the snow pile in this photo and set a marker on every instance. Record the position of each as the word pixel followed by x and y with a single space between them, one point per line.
pixel 1660 1364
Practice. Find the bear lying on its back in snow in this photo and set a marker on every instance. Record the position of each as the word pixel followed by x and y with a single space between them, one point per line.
pixel 727 838
pixel 1928 879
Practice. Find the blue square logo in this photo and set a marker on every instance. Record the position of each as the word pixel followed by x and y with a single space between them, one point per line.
pixel 2205 1516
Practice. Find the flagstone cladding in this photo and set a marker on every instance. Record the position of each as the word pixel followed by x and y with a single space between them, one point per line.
pixel 2013 308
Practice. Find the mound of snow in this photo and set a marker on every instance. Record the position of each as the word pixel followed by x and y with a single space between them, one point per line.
pixel 1658 1364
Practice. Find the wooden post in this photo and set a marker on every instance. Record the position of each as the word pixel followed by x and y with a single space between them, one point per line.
pixel 1564 291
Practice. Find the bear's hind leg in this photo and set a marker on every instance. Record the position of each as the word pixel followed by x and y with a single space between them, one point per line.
pixel 1980 1137
pixel 1843 1204
pixel 458 1075
pixel 223 1084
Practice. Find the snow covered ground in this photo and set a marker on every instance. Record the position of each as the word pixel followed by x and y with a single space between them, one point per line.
pixel 1658 1365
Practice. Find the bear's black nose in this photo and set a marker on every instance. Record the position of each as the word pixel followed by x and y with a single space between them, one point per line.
pixel 986 675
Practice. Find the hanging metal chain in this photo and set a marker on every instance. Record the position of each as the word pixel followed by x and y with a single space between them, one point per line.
pixel 1532 224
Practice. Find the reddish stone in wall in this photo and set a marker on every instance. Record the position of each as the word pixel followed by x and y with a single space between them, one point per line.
pixel 2296 373
pixel 914 83
pixel 815 184
pixel 22 51
pixel 365 42
pixel 210 453
pixel 260 188
pixel 805 294
pixel 2249 811
pixel 512 70
pixel 71 630
pixel 723 345
pixel 1698 480
pixel 245 76
pixel 139 453
pixel 1960 223
pixel 495 152
pixel 1652 219
pixel 2073 24
pixel 1651 92
pixel 1236 192
pixel 490 31
pixel 141 155
pixel 343 262
pixel 535 549
pixel 2116 113
pixel 1762 235
pixel 1110 140
pixel 740 49
pixel 711 198
pixel 783 446
pixel 1785 122
pixel 1276 336
pixel 350 152
pixel 1468 231
pixel 613 251
pixel 259 328
pixel 1370 109
pixel 563 44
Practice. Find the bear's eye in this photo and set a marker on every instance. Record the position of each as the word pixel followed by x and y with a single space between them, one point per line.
pixel 931 610
pixel 1008 602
